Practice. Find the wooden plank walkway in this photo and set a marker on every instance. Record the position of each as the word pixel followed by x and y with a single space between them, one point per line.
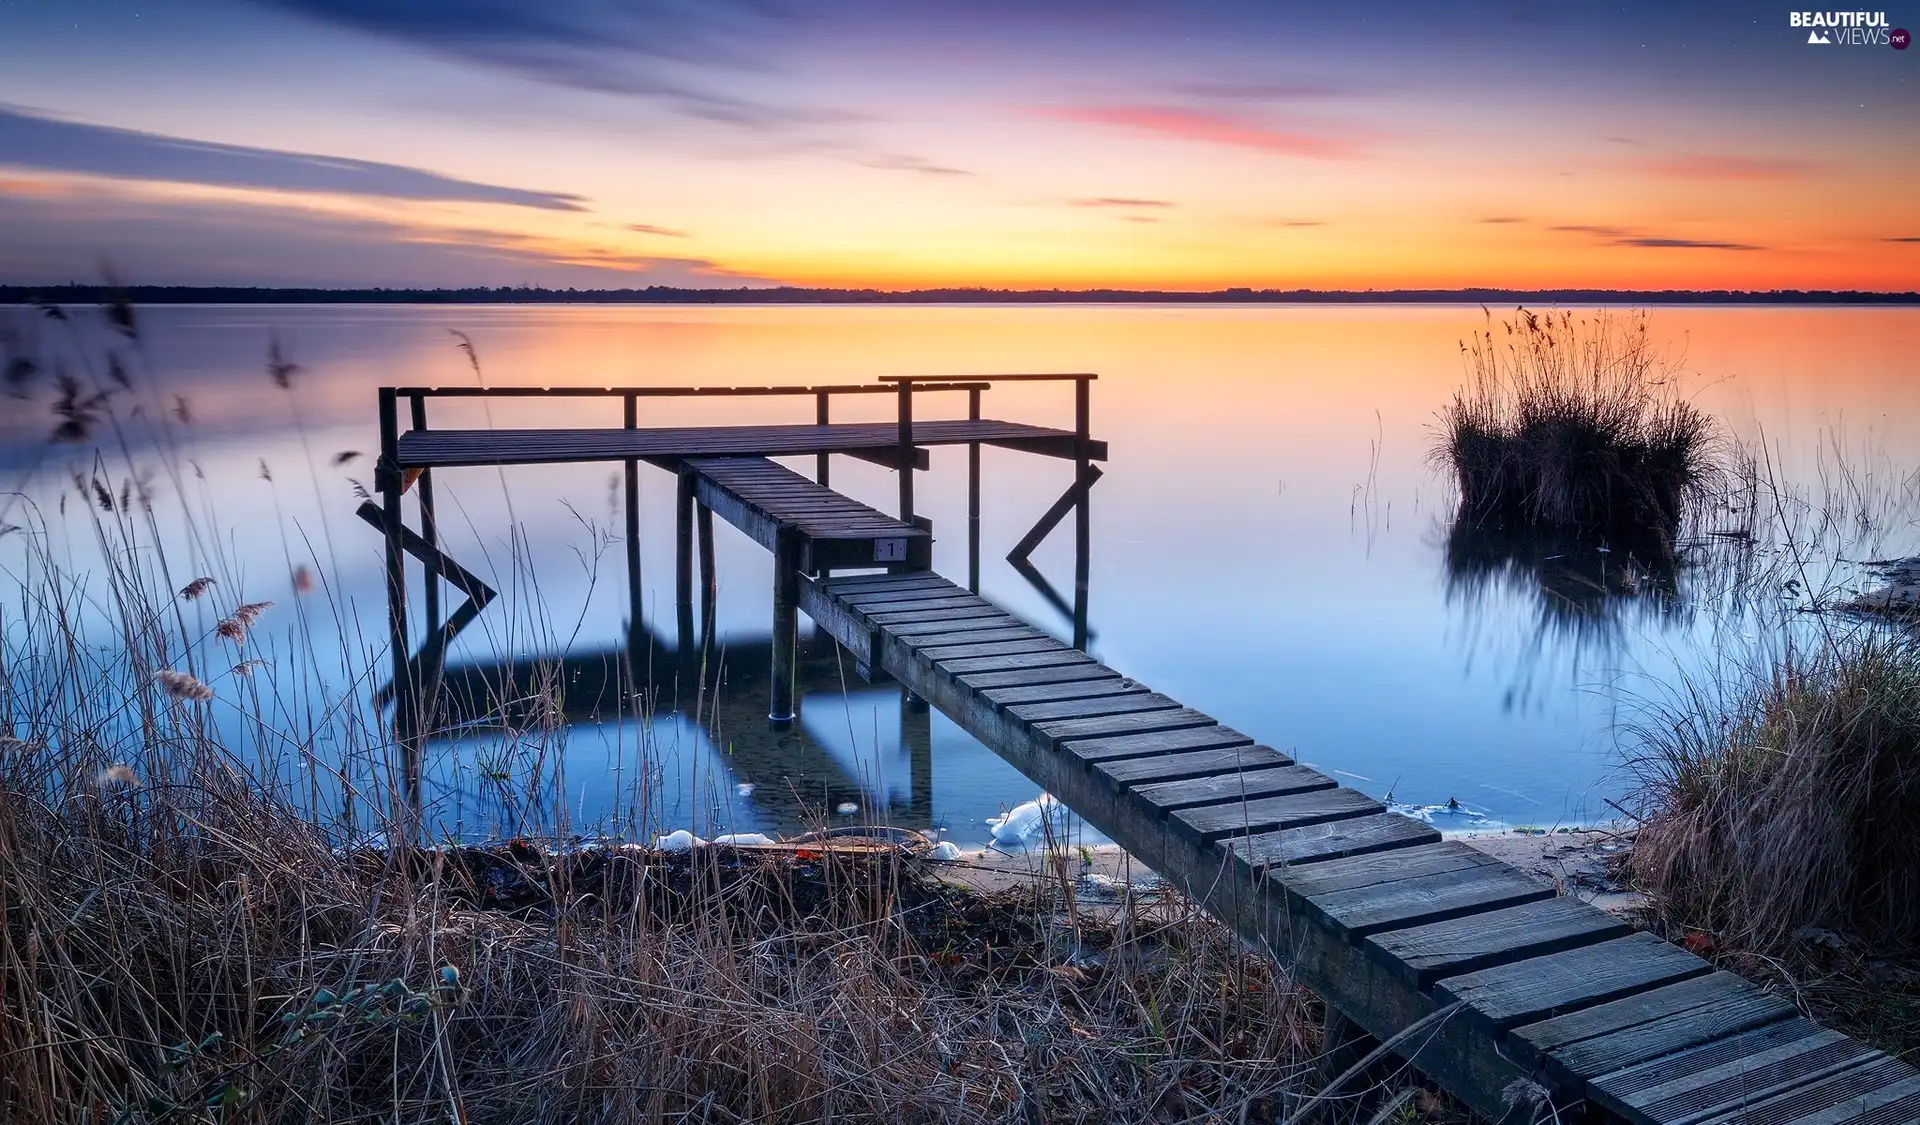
pixel 1385 920
pixel 835 531
pixel 421 448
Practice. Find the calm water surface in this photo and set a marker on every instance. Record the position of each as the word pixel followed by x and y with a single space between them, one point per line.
pixel 1270 542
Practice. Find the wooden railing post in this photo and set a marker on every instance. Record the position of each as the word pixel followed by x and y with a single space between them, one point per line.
pixel 906 450
pixel 820 418
pixel 429 522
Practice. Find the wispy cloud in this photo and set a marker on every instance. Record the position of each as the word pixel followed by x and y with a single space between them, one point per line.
pixel 34 140
pixel 1271 91
pixel 1596 231
pixel 1700 166
pixel 1903 238
pixel 644 48
pixel 1686 244
pixel 160 238
pixel 1206 127
pixel 1624 236
pixel 1300 222
pixel 1118 201
pixel 649 228
pixel 1501 219
pixel 904 162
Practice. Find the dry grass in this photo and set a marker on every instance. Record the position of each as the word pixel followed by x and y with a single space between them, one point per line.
pixel 1782 829
pixel 187 950
pixel 1573 424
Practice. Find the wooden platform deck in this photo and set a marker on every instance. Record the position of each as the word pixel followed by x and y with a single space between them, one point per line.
pixel 425 449
pixel 1388 922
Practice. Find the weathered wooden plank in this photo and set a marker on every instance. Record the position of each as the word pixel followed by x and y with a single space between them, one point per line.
pixel 1247 785
pixel 1092 708
pixel 1113 747
pixel 1433 896
pixel 1060 692
pixel 1336 839
pixel 1080 671
pixel 885 600
pixel 1058 656
pixel 1635 1077
pixel 1532 990
pixel 920 632
pixel 1269 814
pixel 1146 722
pixel 1423 954
pixel 1358 872
pixel 859 589
pixel 1005 631
pixel 1224 766
pixel 931 610
pixel 1682 1099
pixel 1648 1025
pixel 941 654
pixel 1879 1093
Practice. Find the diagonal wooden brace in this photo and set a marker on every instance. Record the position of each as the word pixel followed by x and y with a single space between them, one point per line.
pixel 1050 519
pixel 426 665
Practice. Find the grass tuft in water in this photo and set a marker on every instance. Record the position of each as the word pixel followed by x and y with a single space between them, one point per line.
pixel 1573 423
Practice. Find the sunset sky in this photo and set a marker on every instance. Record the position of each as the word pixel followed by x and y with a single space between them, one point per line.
pixel 1184 145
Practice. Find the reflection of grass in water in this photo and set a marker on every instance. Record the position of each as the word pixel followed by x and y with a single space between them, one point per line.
pixel 1582 585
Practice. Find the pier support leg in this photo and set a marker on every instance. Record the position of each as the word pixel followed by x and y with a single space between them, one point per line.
pixel 709 585
pixel 786 621
pixel 906 452
pixel 1082 515
pixel 820 419
pixel 683 561
pixel 636 623
pixel 973 496
pixel 916 737
pixel 406 717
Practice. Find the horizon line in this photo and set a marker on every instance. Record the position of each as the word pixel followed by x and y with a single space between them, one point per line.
pixel 73 292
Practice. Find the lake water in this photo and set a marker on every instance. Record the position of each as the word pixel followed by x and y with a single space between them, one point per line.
pixel 1270 541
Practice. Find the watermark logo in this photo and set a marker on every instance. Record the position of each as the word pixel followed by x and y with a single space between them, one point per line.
pixel 1849 29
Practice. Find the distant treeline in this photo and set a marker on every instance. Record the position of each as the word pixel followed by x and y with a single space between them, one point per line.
pixel 791 295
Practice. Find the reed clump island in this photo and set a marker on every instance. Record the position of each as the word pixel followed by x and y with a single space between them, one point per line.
pixel 1573 424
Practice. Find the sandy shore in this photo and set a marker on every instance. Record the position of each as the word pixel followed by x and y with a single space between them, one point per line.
pixel 1579 862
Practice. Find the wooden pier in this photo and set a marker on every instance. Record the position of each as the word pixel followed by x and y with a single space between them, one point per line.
pixel 1492 985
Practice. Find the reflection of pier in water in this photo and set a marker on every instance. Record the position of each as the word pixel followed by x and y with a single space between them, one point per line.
pixel 722 688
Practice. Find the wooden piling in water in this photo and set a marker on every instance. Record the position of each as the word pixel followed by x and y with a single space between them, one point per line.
pixel 406 724
pixel 683 557
pixel 786 620
pixel 709 583
pixel 635 627
pixel 1082 517
pixel 973 496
